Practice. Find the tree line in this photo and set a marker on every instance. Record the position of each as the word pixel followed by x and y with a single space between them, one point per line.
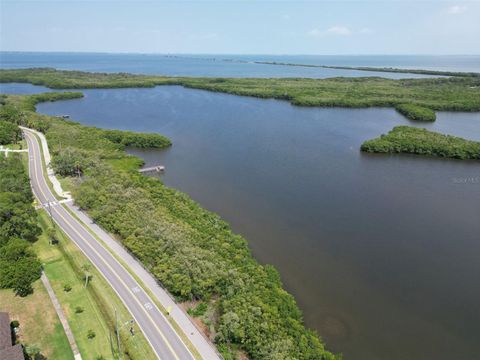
pixel 19 266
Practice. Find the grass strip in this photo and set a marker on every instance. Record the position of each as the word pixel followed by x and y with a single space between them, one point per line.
pixel 177 328
pixel 64 262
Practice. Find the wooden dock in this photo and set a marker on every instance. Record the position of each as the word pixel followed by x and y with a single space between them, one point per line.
pixel 157 168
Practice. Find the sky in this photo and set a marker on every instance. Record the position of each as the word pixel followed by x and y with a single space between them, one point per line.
pixel 242 27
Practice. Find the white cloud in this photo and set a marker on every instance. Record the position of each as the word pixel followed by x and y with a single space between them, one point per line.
pixel 334 30
pixel 457 9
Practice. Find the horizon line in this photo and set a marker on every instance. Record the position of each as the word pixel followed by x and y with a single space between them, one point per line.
pixel 229 54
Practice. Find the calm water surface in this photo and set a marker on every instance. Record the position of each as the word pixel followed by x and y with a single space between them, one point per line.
pixel 22 89
pixel 236 65
pixel 381 252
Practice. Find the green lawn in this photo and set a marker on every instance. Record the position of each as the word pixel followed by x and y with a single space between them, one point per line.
pixel 37 315
pixel 61 273
pixel 62 265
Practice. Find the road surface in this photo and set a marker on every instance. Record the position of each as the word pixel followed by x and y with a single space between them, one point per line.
pixel 162 337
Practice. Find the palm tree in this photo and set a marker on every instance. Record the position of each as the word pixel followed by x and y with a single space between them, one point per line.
pixel 86 268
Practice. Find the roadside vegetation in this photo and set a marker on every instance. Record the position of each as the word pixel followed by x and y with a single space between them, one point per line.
pixel 412 140
pixel 191 251
pixel 19 266
pixel 26 248
pixel 9 133
pixel 89 306
pixel 415 112
pixel 29 304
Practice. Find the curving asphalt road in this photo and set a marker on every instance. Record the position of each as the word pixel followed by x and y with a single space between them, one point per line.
pixel 162 337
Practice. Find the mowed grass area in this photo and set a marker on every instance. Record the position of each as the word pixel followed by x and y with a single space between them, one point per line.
pixel 39 323
pixel 60 273
pixel 63 265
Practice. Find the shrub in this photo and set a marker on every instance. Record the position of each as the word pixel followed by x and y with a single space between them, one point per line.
pixel 15 324
pixel 79 310
pixel 91 334
pixel 199 310
pixel 416 113
pixel 134 139
pixel 412 140
pixel 33 351
pixel 67 288
pixel 70 162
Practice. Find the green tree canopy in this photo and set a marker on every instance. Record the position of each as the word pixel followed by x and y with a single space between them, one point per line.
pixel 9 133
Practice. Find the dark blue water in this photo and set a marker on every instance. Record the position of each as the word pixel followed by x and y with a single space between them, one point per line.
pixel 235 65
pixel 381 252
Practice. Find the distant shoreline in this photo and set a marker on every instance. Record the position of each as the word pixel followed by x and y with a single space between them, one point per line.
pixel 377 69
pixel 298 60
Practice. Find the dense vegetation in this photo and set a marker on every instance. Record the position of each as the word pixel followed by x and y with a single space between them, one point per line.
pixel 416 113
pixel 19 267
pixel 134 139
pixel 9 133
pixel 412 140
pixel 191 251
pixel 453 94
pixel 10 114
pixel 52 96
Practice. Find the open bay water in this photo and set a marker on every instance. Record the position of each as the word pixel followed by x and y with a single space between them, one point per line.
pixel 382 253
pixel 237 65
